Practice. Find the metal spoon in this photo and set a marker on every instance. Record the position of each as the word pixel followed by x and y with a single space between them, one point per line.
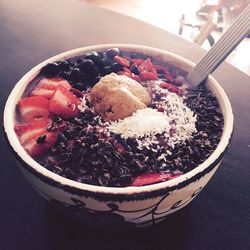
pixel 218 53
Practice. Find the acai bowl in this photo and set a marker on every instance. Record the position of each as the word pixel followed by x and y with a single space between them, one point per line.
pixel 113 135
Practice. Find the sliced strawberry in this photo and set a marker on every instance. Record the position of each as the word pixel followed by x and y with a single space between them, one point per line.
pixel 37 147
pixel 147 70
pixel 148 76
pixel 146 66
pixel 46 86
pixel 151 178
pixel 122 61
pixel 171 88
pixel 35 138
pixel 63 103
pixel 33 107
pixel 27 131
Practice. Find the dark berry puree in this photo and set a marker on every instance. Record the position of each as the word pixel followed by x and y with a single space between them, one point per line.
pixel 59 125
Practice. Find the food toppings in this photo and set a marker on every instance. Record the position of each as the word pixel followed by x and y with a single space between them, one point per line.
pixel 46 86
pixel 33 107
pixel 171 88
pixel 143 122
pixel 176 123
pixel 122 61
pixel 63 103
pixel 114 120
pixel 150 178
pixel 147 70
pixel 49 98
pixel 35 137
pixel 116 97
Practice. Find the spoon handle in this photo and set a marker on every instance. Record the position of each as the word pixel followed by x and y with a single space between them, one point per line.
pixel 218 53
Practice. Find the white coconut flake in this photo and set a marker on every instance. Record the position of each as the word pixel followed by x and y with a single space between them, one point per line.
pixel 143 122
pixel 83 103
pixel 176 123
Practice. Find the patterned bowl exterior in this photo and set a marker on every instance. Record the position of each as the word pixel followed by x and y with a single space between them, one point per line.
pixel 117 208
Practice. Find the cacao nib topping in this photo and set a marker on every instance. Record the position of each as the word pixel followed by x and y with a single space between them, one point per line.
pixel 82 153
pixel 85 152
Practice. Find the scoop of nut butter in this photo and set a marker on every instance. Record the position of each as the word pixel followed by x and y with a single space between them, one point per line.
pixel 116 97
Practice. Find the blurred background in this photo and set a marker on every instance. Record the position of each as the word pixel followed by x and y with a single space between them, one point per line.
pixel 200 21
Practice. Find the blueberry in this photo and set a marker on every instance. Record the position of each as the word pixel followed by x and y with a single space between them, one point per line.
pixel 92 72
pixel 79 61
pixel 111 53
pixel 115 67
pixel 86 64
pixel 64 74
pixel 135 70
pixel 105 61
pixel 75 74
pixel 95 80
pixel 78 85
pixel 94 56
pixel 64 66
pixel 72 64
pixel 50 70
pixel 106 70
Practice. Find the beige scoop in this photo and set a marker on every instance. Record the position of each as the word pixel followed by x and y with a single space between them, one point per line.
pixel 116 97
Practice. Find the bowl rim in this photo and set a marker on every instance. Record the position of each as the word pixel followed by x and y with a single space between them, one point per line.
pixel 8 122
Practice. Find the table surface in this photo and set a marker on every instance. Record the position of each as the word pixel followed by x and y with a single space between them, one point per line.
pixel 219 218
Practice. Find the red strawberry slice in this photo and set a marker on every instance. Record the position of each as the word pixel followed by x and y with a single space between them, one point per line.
pixel 122 61
pixel 147 70
pixel 34 107
pixel 45 87
pixel 146 66
pixel 64 103
pixel 171 88
pixel 148 76
pixel 35 138
pixel 151 178
pixel 27 131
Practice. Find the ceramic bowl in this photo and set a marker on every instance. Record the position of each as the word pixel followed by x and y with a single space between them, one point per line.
pixel 109 207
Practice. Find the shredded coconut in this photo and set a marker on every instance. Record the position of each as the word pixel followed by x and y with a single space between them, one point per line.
pixel 143 122
pixel 176 123
pixel 83 103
